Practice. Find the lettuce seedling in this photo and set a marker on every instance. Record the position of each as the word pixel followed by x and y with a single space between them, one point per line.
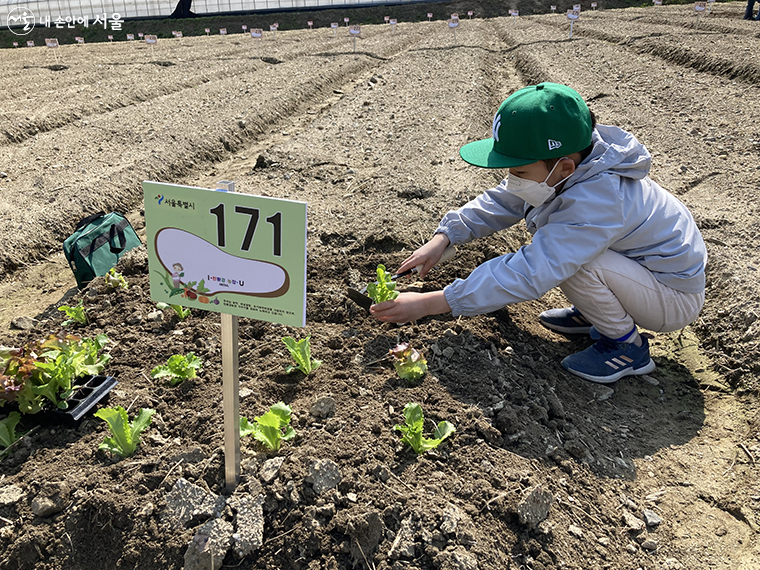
pixel 268 429
pixel 385 287
pixel 115 280
pixel 76 314
pixel 125 435
pixel 47 370
pixel 178 368
pixel 8 429
pixel 182 312
pixel 301 352
pixel 412 431
pixel 408 362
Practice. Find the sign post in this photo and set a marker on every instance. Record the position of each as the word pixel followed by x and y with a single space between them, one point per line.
pixel 355 31
pixel 393 25
pixel 453 25
pixel 235 254
pixel 334 26
pixel 573 15
pixel 429 15
pixel 699 7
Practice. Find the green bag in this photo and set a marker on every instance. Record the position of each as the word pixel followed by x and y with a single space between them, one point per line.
pixel 97 244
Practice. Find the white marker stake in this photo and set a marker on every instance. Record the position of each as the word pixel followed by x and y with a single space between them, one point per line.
pixel 29 43
pixel 699 7
pixel 15 44
pixel 273 29
pixel 709 5
pixel 223 31
pixel 453 24
pixel 244 28
pixel 334 26
pixel 515 13
pixel 110 38
pixel 593 5
pixel 208 31
pixel 346 21
pixel 387 19
pixel 572 15
pixel 310 24
pixel 257 33
pixel 355 31
pixel 430 15
pixel 469 14
pixel 53 43
pixel 393 26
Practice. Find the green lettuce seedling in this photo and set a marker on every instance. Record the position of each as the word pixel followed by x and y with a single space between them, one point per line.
pixel 384 289
pixel 301 352
pixel 125 436
pixel 408 362
pixel 75 314
pixel 268 429
pixel 8 429
pixel 115 280
pixel 412 431
pixel 182 312
pixel 178 368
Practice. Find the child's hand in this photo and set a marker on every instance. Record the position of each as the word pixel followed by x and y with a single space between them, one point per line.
pixel 428 255
pixel 410 307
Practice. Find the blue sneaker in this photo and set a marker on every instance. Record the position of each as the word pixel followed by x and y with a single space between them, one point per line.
pixel 565 321
pixel 607 361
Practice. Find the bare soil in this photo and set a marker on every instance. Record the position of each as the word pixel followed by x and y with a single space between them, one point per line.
pixel 370 139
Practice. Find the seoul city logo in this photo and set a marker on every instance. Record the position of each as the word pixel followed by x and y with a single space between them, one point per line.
pixel 18 16
pixel 496 125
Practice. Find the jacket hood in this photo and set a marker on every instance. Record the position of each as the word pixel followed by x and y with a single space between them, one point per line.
pixel 615 151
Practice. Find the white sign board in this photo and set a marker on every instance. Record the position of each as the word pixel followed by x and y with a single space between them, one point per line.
pixel 355 30
pixel 51 42
pixel 573 14
pixel 257 33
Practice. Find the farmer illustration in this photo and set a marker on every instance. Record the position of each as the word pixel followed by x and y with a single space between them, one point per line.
pixel 177 274
pixel 624 251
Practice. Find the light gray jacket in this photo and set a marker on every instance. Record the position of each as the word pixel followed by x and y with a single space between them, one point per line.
pixel 608 203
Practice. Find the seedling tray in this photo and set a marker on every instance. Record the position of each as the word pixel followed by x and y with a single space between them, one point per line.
pixel 92 390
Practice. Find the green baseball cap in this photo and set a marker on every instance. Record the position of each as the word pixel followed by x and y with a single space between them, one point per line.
pixel 538 122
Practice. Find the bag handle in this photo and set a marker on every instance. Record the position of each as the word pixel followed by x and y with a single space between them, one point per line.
pixel 112 233
pixel 84 221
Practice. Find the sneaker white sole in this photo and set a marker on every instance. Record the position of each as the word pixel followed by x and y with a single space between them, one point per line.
pixel 646 369
pixel 566 330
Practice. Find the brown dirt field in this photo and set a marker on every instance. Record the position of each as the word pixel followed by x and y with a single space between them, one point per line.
pixel 370 141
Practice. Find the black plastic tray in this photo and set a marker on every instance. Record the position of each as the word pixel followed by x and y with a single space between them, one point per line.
pixel 92 389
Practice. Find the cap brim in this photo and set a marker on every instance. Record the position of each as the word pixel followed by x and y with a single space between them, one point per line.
pixel 481 153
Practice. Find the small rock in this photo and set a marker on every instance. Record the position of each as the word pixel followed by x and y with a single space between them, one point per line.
pixel 632 522
pixel 270 469
pixel 51 499
pixel 135 319
pixel 323 408
pixel 187 503
pixel 604 541
pixel 209 546
pixel 535 507
pixel 649 380
pixel 352 497
pixel 10 494
pixel 651 518
pixel 3 175
pixel 249 523
pixel 456 559
pixel 155 316
pixel 241 124
pixel 650 544
pixel 631 548
pixel 403 544
pixel 577 532
pixel 323 475
pixel 672 564
pixel 23 323
pixel 603 393
pixel 451 518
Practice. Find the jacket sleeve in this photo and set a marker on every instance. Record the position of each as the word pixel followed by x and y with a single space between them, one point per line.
pixel 585 224
pixel 493 210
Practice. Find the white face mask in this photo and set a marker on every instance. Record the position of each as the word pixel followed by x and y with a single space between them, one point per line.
pixel 534 193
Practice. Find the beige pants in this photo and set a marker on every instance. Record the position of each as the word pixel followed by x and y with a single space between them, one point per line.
pixel 614 293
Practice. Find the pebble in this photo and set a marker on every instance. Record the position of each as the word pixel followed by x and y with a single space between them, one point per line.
pixel 23 323
pixel 603 393
pixel 631 548
pixel 651 518
pixel 324 475
pixel 632 522
pixel 650 544
pixel 324 407
pixel 603 540
pixel 577 532
pixel 270 469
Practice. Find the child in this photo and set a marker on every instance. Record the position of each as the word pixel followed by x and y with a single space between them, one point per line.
pixel 623 250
